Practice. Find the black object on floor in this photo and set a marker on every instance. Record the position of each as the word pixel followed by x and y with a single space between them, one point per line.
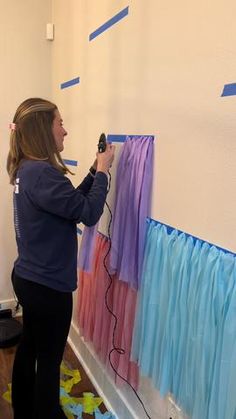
pixel 6 313
pixel 10 329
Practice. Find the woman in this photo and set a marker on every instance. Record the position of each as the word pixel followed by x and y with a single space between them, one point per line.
pixel 46 210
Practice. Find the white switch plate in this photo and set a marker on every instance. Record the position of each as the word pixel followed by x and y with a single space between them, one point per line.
pixel 50 32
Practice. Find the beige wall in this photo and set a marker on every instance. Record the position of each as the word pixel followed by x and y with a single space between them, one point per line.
pixel 25 71
pixel 159 71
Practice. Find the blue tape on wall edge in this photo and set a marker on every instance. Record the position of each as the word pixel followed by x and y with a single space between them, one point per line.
pixel 114 138
pixel 109 23
pixel 70 83
pixel 170 229
pixel 229 90
pixel 70 162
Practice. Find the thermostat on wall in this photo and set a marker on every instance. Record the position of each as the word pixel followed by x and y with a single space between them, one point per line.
pixel 50 32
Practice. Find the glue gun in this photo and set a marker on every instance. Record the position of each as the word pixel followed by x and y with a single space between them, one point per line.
pixel 102 143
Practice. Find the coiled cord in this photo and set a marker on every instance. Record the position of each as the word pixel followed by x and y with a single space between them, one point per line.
pixel 116 349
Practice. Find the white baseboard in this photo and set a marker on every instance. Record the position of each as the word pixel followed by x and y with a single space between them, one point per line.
pixel 98 376
pixel 122 402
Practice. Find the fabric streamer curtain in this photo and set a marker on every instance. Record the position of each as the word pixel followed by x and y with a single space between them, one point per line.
pixel 95 321
pixel 87 248
pixel 185 330
pixel 132 206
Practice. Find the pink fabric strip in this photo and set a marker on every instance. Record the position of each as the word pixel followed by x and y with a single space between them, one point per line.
pixel 96 323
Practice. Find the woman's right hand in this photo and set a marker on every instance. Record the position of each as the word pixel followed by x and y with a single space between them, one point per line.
pixel 105 159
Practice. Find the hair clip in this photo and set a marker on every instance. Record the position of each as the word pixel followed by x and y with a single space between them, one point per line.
pixel 12 126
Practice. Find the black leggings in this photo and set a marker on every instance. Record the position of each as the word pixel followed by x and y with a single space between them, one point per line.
pixel 36 371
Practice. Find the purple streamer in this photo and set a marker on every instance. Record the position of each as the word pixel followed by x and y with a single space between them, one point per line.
pixel 132 206
pixel 87 248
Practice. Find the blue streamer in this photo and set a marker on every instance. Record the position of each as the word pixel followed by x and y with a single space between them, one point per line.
pixel 106 415
pixel 229 90
pixel 77 408
pixel 71 406
pixel 70 83
pixel 186 313
pixel 170 229
pixel 109 23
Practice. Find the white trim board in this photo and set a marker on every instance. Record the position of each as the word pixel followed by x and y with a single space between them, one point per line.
pixel 122 402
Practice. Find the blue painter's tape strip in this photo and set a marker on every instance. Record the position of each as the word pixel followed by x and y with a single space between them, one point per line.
pixel 116 138
pixel 109 23
pixel 170 229
pixel 70 83
pixel 79 231
pixel 71 162
pixel 122 138
pixel 229 89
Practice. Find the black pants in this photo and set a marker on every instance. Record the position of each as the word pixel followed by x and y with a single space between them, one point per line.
pixel 36 371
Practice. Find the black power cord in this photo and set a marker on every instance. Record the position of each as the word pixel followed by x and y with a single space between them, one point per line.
pixel 120 351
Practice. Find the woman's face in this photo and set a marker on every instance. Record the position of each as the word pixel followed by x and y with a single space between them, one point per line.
pixel 58 131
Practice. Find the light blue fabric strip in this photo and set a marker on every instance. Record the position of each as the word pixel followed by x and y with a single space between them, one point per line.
pixel 77 409
pixel 72 407
pixel 106 415
pixel 185 331
pixel 109 23
pixel 170 228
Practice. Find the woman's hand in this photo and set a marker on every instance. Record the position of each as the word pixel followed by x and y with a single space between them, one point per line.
pixel 105 159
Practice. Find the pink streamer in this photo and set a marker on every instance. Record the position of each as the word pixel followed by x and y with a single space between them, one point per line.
pixel 97 324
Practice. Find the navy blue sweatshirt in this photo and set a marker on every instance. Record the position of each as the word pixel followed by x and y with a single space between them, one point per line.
pixel 47 208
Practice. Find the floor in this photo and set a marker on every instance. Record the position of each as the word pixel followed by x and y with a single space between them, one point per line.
pixel 6 362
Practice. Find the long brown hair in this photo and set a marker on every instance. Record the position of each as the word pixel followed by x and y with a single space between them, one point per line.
pixel 32 137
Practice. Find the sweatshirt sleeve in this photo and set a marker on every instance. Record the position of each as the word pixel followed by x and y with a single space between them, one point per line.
pixel 86 184
pixel 55 194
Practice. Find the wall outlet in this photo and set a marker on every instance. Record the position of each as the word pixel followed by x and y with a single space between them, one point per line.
pixel 174 411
